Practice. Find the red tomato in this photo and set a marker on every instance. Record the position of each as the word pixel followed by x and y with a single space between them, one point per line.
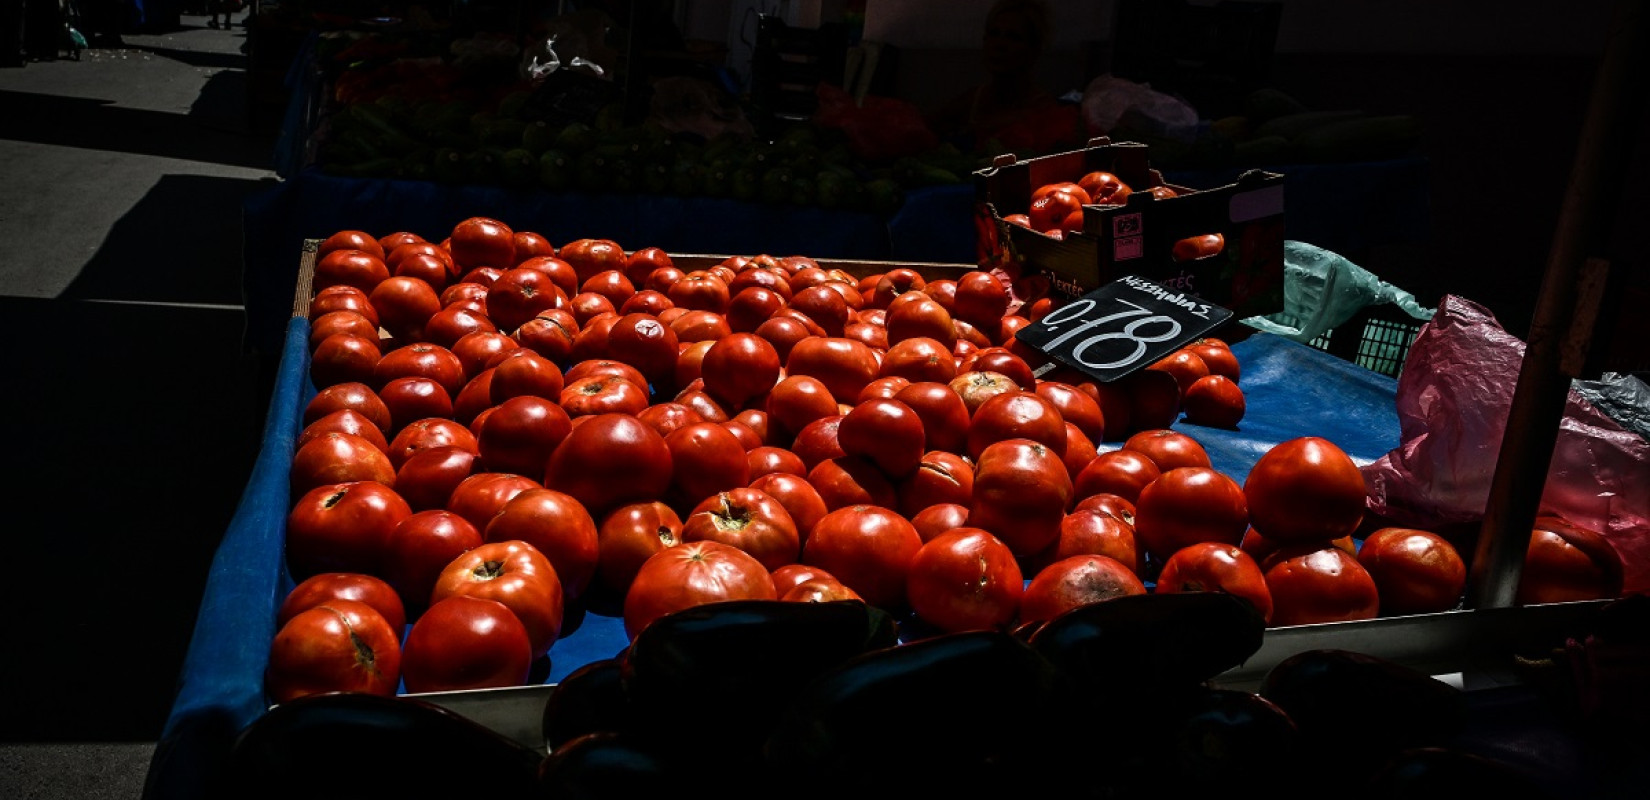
pixel 668 416
pixel 980 299
pixel 342 297
pixel 817 441
pixel 702 291
pixel 1214 401
pixel 1076 581
pixel 343 320
pixel 425 360
pixel 1104 188
pixel 1217 357
pixel 344 420
pixel 613 285
pixel 1080 451
pixel 1168 449
pixel 628 536
pixel 852 480
pixel 427 433
pixel 482 242
pixel 888 433
pixel 798 400
pixel 941 477
pixel 1566 562
pixel 350 240
pixel 977 386
pixel 525 372
pixel 763 460
pixel 561 273
pixel 515 574
pixel 427 478
pixel 820 590
pixel 965 579
pixel 414 397
pixel 1108 503
pixel 790 576
pixel 739 367
pixel 521 293
pixel 1153 396
pixel 476 348
pixel 603 394
pixel 521 434
pixel 845 366
pixel 609 461
pixel 332 458
pixel 1016 415
pixel 1193 248
pixel 642 263
pixel 1120 472
pixel 338 646
pixel 531 245
pixel 1415 571
pixel 750 520
pixel 939 518
pixel 1004 362
pixel 1216 567
pixel 343 527
pixel 1075 407
pixel 944 415
pixel 479 497
pixel 550 334
pixel 692 574
pixel 1305 490
pixel 869 549
pixel 590 256
pixel 1313 583
pixel 706 459
pixel 1049 211
pixel 916 315
pixel 355 396
pixel 1021 492
pixel 328 586
pixel 465 642
pixel 1187 505
pixel 356 268
pixel 799 497
pixel 920 359
pixel 1097 533
pixel 405 305
pixel 555 525
pixel 421 546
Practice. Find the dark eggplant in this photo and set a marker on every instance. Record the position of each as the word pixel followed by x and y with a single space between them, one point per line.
pixel 720 672
pixel 591 698
pixel 1444 773
pixel 608 764
pixel 1343 699
pixel 355 746
pixel 956 712
pixel 1133 648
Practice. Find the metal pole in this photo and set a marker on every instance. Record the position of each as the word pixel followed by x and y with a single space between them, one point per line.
pixel 1565 309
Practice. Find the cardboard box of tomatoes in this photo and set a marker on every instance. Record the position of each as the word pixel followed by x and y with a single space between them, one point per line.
pixel 1222 243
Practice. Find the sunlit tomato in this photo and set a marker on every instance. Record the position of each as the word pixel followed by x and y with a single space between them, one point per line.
pixel 1095 532
pixel 1076 581
pixel 346 267
pixel 337 646
pixel 1566 562
pixel 421 546
pixel 852 480
pixel 344 358
pixel 1003 362
pixel 519 294
pixel 1313 583
pixel 427 433
pixel 561 273
pixel 335 457
pixel 817 441
pixel 824 306
pixel 423 359
pixel 939 518
pixel 358 397
pixel 515 574
pixel 344 420
pixel 590 256
pixel 1184 366
pixel 479 497
pixel 477 348
pixel 1049 211
pixel 739 367
pixel 350 240
pixel 482 242
pixel 590 342
pixel 707 407
pixel 603 394
pixel 414 397
pixel 648 301
pixel 941 477
pixel 405 306
pixel 611 284
pixel 1187 505
pixel 628 536
pixel 1075 407
pixel 1214 401
pixel 783 333
pixel 1080 450
pixel 1305 490
pixel 702 291
pixel 752 306
pixel 980 299
pixel 1193 248
pixel 692 574
pixel 342 297
pixel 343 320
pixel 1168 449
pixel 750 520
pixel 1016 415
pixel 914 314
pixel 531 245
pixel 1021 492
pixel 609 461
pixel 920 359
pixel 976 386
pixel 1415 571
pixel 1216 567
pixel 886 432
pixel 668 416
pixel 796 401
pixel 556 525
pixel 642 263
pixel 521 434
pixel 486 276
pixel 525 372
pixel 1217 357
pixel 965 579
pixel 845 366
pixel 342 527
pixel 868 548
pixel 328 586
pixel 881 389
pixel 1104 188
pixel 1108 503
pixel 465 642
pixel 707 458
pixel 944 415
pixel 766 459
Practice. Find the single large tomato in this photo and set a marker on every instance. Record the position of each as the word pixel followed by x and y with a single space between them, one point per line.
pixel 591 256
pixel 482 242
pixel 466 642
pixel 337 646
pixel 750 520
pixel 940 478
pixel 1016 415
pixel 944 415
pixel 1091 531
pixel 1188 505
pixel 338 458
pixel 799 497
pixel 427 433
pixel 1021 492
pixel 843 365
pixel 1168 449
pixel 342 527
pixel 414 397
pixel 886 432
pixel 693 574
pixel 796 401
pixel 421 546
pixel 1214 401
pixel 628 537
pixel 428 477
pixel 1313 583
pixel 344 420
pixel 611 460
pixel 515 574
pixel 1566 562
pixel 1415 571
pixel 868 548
pixel 706 458
pixel 965 579
pixel 521 433
pixel 1216 567
pixel 557 526
pixel 1305 490
pixel 319 589
pixel 479 497
pixel 523 371
pixel 521 293
pixel 1076 581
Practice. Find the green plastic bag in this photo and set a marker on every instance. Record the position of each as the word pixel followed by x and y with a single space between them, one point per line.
pixel 1322 289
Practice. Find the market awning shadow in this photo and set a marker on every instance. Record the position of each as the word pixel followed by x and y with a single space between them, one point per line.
pixel 99 125
pixel 181 243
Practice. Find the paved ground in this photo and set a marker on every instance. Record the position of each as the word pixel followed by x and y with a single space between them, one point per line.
pixel 131 410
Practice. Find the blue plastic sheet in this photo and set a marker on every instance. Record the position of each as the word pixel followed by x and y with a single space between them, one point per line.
pixel 1291 389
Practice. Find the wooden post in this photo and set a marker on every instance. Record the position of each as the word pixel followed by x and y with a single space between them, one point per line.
pixel 1565 310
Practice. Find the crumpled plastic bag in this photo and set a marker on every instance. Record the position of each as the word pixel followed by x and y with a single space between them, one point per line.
pixel 1322 289
pixel 1110 101
pixel 1453 399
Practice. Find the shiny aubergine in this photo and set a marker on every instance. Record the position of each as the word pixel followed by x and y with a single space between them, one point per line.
pixel 1343 699
pixel 956 712
pixel 608 764
pixel 590 699
pixel 353 746
pixel 718 672
pixel 1149 644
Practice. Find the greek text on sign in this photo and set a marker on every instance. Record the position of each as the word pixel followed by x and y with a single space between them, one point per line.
pixel 1120 327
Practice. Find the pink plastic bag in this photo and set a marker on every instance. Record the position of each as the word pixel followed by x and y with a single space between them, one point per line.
pixel 1453 400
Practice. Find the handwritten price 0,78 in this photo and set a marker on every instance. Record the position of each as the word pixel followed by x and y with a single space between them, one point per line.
pixel 1138 317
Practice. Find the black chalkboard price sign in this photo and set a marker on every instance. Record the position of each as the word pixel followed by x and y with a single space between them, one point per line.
pixel 1123 326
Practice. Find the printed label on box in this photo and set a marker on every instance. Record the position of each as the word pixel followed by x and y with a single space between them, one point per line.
pixel 1124 249
pixel 1126 225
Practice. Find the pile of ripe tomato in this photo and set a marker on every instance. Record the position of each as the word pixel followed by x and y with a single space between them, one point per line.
pixel 503 429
